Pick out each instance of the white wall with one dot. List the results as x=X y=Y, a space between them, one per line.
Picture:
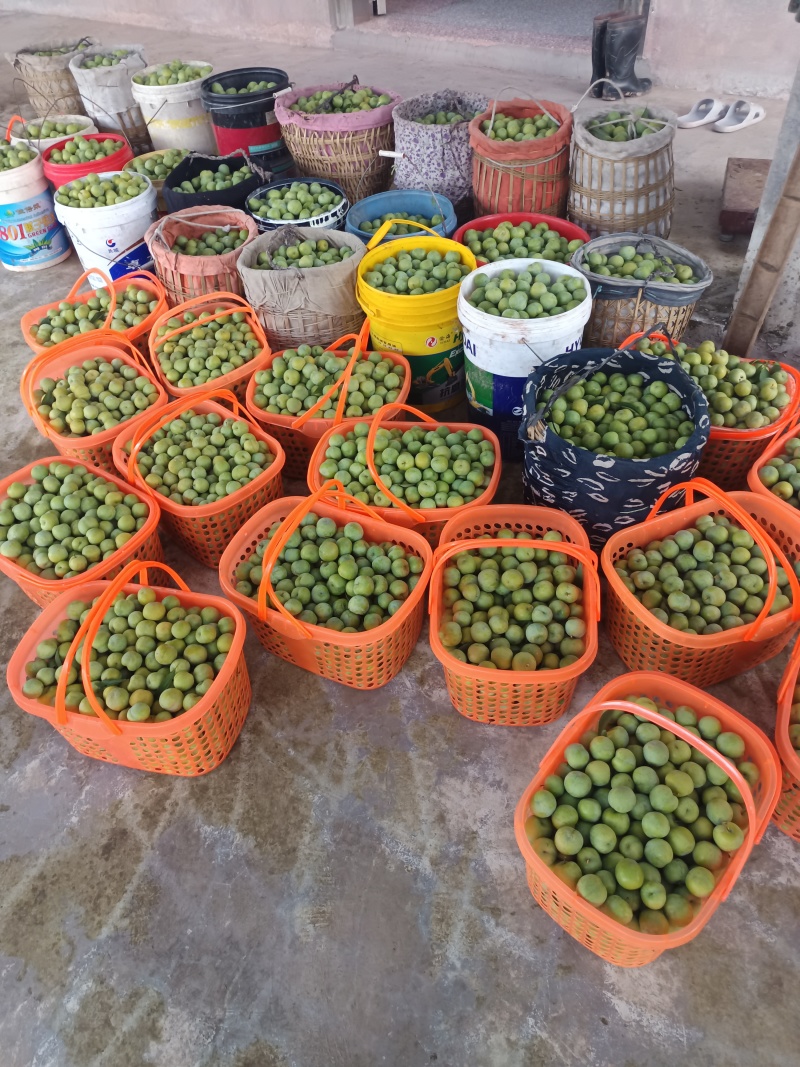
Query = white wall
x=744 y=47
x=308 y=22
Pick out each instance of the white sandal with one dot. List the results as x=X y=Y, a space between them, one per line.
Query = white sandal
x=739 y=115
x=703 y=112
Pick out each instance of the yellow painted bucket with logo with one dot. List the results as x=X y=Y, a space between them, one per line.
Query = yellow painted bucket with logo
x=425 y=329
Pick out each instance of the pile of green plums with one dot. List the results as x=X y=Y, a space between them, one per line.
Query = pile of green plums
x=445 y=118
x=426 y=468
x=341 y=101
x=302 y=254
x=213 y=347
x=781 y=475
x=330 y=575
x=707 y=578
x=508 y=128
x=93 y=397
x=524 y=241
x=625 y=125
x=300 y=200
x=529 y=293
x=373 y=225
x=152 y=659
x=213 y=181
x=638 y=821
x=175 y=73
x=198 y=459
x=66 y=519
x=158 y=164
x=83 y=150
x=251 y=87
x=106 y=59
x=619 y=415
x=210 y=242
x=514 y=608
x=627 y=262
x=298 y=378
x=417 y=271
x=742 y=394
x=97 y=190
x=82 y=316
x=17 y=155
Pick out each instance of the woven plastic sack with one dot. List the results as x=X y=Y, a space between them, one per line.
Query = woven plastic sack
x=621 y=186
x=622 y=306
x=185 y=277
x=604 y=493
x=343 y=148
x=314 y=305
x=48 y=80
x=521 y=175
x=106 y=91
x=435 y=157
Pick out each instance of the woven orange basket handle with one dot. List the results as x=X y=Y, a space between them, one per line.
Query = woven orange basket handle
x=455 y=548
x=146 y=427
x=88 y=631
x=764 y=542
x=379 y=235
x=198 y=301
x=331 y=489
x=109 y=285
x=416 y=515
x=34 y=369
x=341 y=383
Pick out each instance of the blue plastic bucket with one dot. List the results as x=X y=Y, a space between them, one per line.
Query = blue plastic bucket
x=410 y=202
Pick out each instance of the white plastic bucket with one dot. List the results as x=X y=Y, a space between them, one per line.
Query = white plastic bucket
x=174 y=114
x=42 y=143
x=106 y=91
x=111 y=238
x=499 y=353
x=30 y=235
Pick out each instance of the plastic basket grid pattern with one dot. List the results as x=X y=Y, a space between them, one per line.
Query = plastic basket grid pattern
x=641 y=648
x=504 y=699
x=368 y=663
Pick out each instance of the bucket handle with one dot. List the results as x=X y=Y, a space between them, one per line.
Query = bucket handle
x=585 y=555
x=87 y=632
x=341 y=383
x=532 y=99
x=762 y=539
x=381 y=233
x=288 y=525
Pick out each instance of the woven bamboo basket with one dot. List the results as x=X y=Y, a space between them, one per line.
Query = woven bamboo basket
x=626 y=186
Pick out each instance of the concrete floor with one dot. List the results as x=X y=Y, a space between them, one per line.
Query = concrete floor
x=346 y=891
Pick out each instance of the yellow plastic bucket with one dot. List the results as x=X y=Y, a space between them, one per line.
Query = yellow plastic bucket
x=425 y=329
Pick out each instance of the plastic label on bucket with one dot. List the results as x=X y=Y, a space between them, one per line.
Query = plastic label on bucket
x=30 y=233
x=437 y=380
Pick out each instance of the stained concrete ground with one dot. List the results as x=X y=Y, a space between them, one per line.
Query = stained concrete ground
x=345 y=890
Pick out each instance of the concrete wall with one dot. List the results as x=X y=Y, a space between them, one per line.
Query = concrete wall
x=310 y=22
x=744 y=47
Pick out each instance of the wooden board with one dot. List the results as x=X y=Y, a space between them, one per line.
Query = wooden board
x=741 y=194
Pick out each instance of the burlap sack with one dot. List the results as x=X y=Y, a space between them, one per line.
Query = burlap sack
x=297 y=306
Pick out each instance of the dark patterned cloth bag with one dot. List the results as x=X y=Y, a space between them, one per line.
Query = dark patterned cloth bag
x=604 y=493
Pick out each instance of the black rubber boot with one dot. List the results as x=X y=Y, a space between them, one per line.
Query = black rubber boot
x=599 y=28
x=623 y=39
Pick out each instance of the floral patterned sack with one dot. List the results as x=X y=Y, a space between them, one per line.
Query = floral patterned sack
x=438 y=158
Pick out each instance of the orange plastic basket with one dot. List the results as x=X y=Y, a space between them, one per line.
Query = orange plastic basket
x=643 y=642
x=144 y=544
x=95 y=448
x=143 y=279
x=729 y=454
x=299 y=433
x=205 y=530
x=773 y=449
x=362 y=660
x=235 y=380
x=513 y=698
x=428 y=521
x=194 y=742
x=787 y=811
x=596 y=931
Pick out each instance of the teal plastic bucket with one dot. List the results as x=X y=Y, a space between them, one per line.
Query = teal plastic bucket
x=407 y=201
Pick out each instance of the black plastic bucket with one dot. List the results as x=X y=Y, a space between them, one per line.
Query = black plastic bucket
x=247 y=121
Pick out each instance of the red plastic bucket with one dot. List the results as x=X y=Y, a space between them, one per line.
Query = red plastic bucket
x=489 y=222
x=62 y=173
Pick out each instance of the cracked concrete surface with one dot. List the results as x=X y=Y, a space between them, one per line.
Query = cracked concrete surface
x=345 y=890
